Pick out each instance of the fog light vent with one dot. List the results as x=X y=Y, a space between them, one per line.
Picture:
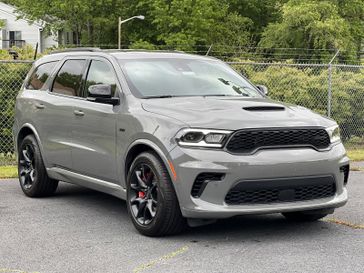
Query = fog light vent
x=201 y=181
x=345 y=169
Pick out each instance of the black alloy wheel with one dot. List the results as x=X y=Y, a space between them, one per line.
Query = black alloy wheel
x=151 y=199
x=27 y=172
x=143 y=194
x=33 y=177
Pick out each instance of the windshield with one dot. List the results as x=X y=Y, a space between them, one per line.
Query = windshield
x=167 y=77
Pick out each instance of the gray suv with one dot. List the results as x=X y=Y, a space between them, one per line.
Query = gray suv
x=184 y=139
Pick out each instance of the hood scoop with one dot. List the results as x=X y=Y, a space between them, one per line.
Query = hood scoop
x=264 y=108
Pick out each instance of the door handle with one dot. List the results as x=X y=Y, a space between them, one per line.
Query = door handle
x=79 y=113
x=39 y=106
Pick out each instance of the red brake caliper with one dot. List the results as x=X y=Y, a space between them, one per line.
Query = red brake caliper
x=141 y=194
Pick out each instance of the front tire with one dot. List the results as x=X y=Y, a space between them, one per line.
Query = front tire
x=151 y=200
x=307 y=216
x=33 y=177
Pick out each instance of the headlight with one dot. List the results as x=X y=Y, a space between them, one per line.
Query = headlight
x=202 y=138
x=334 y=133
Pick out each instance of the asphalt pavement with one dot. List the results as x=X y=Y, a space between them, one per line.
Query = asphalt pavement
x=80 y=230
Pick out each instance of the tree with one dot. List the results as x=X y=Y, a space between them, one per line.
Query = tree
x=90 y=20
x=188 y=24
x=353 y=12
x=261 y=13
x=309 y=24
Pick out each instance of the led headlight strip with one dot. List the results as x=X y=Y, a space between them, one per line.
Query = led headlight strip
x=334 y=133
x=207 y=138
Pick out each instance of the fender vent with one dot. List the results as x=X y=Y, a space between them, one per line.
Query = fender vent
x=264 y=108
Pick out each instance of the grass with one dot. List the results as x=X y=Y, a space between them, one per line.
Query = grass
x=354 y=155
x=8 y=172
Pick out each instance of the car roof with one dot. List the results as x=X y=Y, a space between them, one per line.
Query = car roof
x=122 y=54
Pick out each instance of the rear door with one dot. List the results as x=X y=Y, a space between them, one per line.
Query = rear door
x=57 y=122
x=94 y=130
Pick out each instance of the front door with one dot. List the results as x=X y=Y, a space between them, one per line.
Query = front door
x=94 y=133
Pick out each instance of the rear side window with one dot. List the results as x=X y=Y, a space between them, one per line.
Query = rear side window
x=69 y=78
x=101 y=73
x=40 y=76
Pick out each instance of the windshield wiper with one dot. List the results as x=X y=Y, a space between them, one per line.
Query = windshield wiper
x=237 y=88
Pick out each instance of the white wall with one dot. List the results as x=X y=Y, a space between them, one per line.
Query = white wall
x=29 y=33
x=32 y=34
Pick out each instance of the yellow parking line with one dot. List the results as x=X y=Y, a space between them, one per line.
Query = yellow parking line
x=344 y=223
x=161 y=259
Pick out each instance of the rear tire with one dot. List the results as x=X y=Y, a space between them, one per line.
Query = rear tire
x=33 y=177
x=151 y=200
x=307 y=216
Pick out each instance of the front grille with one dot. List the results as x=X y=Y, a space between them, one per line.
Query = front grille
x=201 y=181
x=281 y=190
x=248 y=141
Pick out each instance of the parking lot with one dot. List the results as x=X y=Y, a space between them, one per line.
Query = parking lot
x=80 y=230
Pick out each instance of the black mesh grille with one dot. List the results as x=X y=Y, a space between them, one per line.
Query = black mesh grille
x=201 y=182
x=247 y=141
x=244 y=193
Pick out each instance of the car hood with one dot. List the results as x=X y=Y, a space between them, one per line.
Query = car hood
x=234 y=113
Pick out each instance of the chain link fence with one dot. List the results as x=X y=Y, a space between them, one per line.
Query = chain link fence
x=330 y=89
x=12 y=74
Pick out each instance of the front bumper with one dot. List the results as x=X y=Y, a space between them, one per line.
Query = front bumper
x=264 y=164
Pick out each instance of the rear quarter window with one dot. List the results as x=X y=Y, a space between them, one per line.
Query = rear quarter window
x=40 y=75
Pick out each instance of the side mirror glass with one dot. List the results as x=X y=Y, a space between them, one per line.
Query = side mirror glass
x=263 y=89
x=102 y=93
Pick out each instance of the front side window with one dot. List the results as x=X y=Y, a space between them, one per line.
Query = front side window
x=40 y=75
x=69 y=78
x=185 y=77
x=101 y=73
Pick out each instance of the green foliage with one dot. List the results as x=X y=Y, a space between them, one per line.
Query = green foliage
x=196 y=24
x=140 y=44
x=24 y=53
x=310 y=24
x=353 y=12
x=91 y=21
x=186 y=24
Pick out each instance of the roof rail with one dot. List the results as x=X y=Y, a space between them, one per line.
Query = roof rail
x=142 y=50
x=77 y=49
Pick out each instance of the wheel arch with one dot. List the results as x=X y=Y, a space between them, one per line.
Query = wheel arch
x=143 y=145
x=28 y=129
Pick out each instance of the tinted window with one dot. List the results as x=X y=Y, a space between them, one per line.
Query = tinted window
x=69 y=77
x=185 y=77
x=101 y=73
x=40 y=75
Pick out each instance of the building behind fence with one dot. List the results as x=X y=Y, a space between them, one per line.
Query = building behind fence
x=330 y=89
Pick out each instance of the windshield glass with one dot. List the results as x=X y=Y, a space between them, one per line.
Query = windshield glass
x=184 y=77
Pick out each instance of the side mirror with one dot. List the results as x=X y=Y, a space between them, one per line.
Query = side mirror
x=263 y=89
x=100 y=90
x=101 y=93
